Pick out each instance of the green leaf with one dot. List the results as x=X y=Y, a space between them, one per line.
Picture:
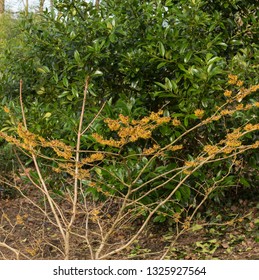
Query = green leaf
x=63 y=94
x=186 y=192
x=161 y=64
x=196 y=227
x=70 y=97
x=215 y=71
x=112 y=38
x=55 y=77
x=186 y=122
x=161 y=85
x=75 y=92
x=109 y=25
x=168 y=84
x=178 y=195
x=161 y=49
x=97 y=73
x=43 y=69
x=65 y=81
x=47 y=115
x=182 y=68
x=41 y=91
x=188 y=57
x=244 y=182
x=229 y=180
x=77 y=57
x=159 y=219
x=213 y=60
x=223 y=45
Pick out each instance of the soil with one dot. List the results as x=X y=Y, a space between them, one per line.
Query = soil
x=26 y=233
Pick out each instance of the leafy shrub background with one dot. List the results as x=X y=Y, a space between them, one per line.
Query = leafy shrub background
x=141 y=57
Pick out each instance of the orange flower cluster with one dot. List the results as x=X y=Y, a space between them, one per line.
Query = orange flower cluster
x=190 y=163
x=175 y=148
x=30 y=141
x=13 y=140
x=29 y=138
x=232 y=141
x=233 y=79
x=92 y=158
x=211 y=150
x=132 y=130
x=151 y=150
x=60 y=148
x=69 y=168
x=228 y=93
x=176 y=122
x=199 y=113
x=251 y=127
x=243 y=92
x=6 y=109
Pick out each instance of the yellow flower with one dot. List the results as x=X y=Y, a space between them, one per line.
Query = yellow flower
x=163 y=120
x=140 y=132
x=228 y=150
x=248 y=106
x=19 y=220
x=240 y=83
x=199 y=113
x=176 y=122
x=250 y=127
x=28 y=138
x=126 y=131
x=232 y=79
x=155 y=116
x=215 y=118
x=254 y=88
x=233 y=143
x=189 y=163
x=60 y=149
x=6 y=109
x=112 y=124
x=124 y=120
x=234 y=135
x=201 y=159
x=97 y=137
x=110 y=142
x=187 y=223
x=187 y=172
x=93 y=157
x=210 y=149
x=240 y=107
x=144 y=120
x=255 y=145
x=226 y=112
x=176 y=217
x=95 y=215
x=82 y=174
x=31 y=251
x=95 y=212
x=176 y=147
x=56 y=169
x=151 y=150
x=228 y=93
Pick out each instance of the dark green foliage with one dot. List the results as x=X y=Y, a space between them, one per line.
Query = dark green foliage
x=141 y=56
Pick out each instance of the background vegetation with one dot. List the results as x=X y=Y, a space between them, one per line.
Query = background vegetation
x=153 y=104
